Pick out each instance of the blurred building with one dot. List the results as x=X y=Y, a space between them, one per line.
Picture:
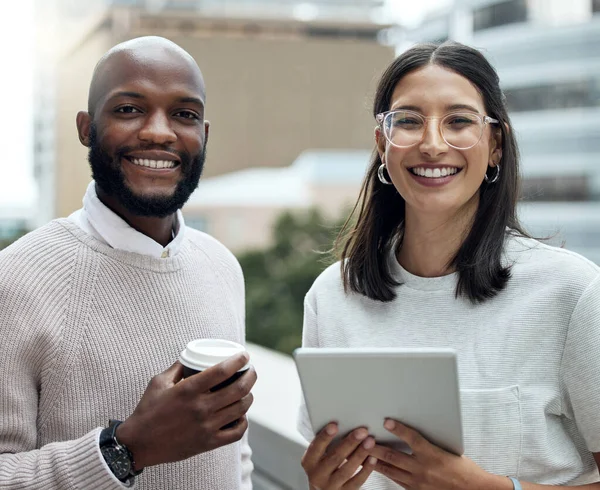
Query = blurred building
x=281 y=77
x=547 y=55
x=240 y=208
x=58 y=25
x=14 y=220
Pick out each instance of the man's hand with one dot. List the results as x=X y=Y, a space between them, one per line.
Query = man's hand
x=333 y=468
x=179 y=418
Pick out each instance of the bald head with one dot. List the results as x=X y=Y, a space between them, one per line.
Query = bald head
x=143 y=54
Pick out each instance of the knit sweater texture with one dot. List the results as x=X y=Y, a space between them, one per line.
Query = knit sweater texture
x=84 y=328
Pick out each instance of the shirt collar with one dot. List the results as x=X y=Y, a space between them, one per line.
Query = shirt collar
x=117 y=233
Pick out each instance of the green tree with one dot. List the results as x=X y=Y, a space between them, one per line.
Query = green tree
x=277 y=278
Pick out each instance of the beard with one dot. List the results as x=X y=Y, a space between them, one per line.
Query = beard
x=107 y=173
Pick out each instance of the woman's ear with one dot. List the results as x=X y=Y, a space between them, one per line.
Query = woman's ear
x=496 y=147
x=380 y=142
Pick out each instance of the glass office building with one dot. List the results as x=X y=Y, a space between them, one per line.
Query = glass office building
x=546 y=53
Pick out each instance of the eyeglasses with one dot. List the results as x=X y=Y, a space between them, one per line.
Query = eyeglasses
x=460 y=130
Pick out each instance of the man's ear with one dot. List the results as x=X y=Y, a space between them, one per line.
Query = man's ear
x=84 y=123
x=206 y=130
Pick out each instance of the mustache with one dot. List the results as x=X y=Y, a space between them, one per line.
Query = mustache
x=124 y=150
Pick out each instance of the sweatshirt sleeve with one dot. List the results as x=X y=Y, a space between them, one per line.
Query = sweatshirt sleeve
x=309 y=339
x=580 y=367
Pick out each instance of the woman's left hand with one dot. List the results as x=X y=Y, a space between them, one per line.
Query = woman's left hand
x=428 y=467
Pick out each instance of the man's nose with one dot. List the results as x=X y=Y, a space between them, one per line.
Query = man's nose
x=157 y=129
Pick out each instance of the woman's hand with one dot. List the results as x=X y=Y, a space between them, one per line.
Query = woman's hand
x=430 y=467
x=335 y=467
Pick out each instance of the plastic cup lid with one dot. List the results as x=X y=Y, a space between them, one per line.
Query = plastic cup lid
x=201 y=354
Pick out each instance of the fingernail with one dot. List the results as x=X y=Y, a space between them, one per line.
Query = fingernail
x=331 y=429
x=372 y=460
x=245 y=356
x=369 y=443
x=389 y=424
x=360 y=434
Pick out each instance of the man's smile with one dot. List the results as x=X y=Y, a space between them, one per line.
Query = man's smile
x=154 y=159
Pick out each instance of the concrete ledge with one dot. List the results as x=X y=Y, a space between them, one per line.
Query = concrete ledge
x=277 y=446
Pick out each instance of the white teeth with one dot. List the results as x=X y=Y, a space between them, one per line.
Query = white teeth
x=144 y=162
x=434 y=173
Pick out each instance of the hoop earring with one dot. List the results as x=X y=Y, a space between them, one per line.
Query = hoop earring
x=381 y=175
x=491 y=181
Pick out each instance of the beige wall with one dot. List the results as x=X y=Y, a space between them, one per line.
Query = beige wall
x=238 y=228
x=242 y=228
x=334 y=200
x=267 y=100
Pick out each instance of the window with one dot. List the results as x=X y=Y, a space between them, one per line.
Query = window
x=342 y=33
x=579 y=93
x=500 y=14
x=566 y=188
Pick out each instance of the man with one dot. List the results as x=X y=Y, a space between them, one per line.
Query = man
x=94 y=306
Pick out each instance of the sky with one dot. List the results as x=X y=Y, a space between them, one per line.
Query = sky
x=17 y=188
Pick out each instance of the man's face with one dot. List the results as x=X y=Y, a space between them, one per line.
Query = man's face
x=109 y=175
x=147 y=139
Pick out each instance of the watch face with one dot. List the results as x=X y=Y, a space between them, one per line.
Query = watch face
x=117 y=460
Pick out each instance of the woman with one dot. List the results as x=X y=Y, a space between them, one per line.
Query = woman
x=437 y=258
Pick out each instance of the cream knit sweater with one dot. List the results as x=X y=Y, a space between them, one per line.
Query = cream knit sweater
x=83 y=328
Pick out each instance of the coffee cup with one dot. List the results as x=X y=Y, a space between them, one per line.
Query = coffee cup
x=202 y=354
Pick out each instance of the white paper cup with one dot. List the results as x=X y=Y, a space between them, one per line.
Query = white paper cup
x=202 y=354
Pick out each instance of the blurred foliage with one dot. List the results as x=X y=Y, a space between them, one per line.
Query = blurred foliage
x=5 y=242
x=278 y=277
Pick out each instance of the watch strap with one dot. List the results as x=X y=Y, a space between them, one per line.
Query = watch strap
x=108 y=437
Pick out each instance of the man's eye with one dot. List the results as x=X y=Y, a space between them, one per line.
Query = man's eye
x=127 y=109
x=187 y=115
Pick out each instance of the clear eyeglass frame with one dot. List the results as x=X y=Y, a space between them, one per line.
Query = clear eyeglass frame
x=380 y=118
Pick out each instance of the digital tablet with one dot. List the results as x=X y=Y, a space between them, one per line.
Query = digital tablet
x=361 y=387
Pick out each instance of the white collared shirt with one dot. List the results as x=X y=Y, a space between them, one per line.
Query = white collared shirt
x=102 y=223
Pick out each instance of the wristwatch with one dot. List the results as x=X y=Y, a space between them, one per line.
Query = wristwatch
x=117 y=456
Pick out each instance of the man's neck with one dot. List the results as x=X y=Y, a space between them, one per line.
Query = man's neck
x=159 y=229
x=431 y=241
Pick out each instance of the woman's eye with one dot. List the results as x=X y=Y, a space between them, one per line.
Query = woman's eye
x=461 y=120
x=407 y=122
x=127 y=109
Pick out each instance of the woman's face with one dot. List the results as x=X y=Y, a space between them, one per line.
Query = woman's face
x=433 y=91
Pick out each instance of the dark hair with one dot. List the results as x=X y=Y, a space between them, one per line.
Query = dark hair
x=380 y=221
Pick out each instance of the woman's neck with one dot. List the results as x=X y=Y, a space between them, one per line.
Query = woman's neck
x=431 y=241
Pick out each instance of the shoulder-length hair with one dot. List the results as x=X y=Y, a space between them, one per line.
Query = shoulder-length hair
x=364 y=247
